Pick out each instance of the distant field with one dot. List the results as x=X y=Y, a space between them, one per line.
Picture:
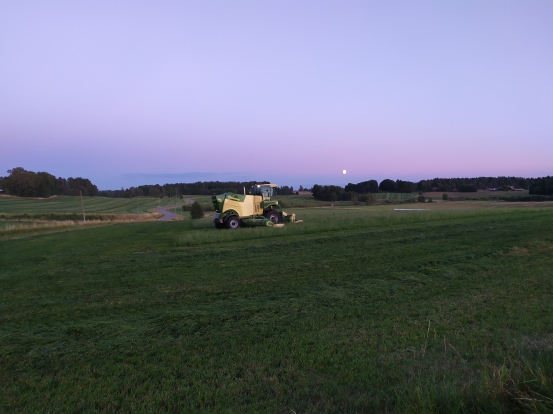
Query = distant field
x=358 y=309
x=396 y=196
x=104 y=205
x=466 y=205
x=437 y=195
x=301 y=201
x=70 y=204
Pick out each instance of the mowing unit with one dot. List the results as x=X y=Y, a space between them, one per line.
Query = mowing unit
x=256 y=209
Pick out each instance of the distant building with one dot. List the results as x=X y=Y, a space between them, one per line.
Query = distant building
x=2 y=191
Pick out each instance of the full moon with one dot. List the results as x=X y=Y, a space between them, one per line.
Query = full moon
x=344 y=171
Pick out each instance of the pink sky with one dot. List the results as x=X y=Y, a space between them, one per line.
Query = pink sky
x=128 y=93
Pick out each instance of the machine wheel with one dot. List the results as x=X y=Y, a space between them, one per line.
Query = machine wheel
x=274 y=216
x=233 y=223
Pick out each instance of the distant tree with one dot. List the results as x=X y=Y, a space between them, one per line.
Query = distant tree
x=330 y=193
x=25 y=183
x=196 y=210
x=424 y=185
x=47 y=184
x=285 y=190
x=387 y=186
x=348 y=196
x=372 y=186
x=542 y=186
x=78 y=185
x=315 y=190
x=404 y=186
x=20 y=182
x=363 y=187
x=445 y=196
x=467 y=189
x=421 y=199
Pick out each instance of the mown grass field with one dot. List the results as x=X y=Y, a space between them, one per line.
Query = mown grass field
x=362 y=309
x=396 y=196
x=437 y=195
x=301 y=201
x=70 y=204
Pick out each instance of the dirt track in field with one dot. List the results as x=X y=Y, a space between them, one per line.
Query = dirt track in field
x=167 y=215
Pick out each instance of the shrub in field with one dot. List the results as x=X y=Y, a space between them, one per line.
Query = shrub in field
x=421 y=199
x=444 y=196
x=370 y=200
x=196 y=211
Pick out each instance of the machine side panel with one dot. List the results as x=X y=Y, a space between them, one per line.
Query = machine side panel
x=249 y=207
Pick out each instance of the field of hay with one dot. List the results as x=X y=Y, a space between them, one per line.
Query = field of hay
x=357 y=309
x=71 y=204
x=437 y=195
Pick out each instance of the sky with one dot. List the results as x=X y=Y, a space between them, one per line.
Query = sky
x=128 y=93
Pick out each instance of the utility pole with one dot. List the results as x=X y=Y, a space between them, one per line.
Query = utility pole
x=176 y=200
x=82 y=206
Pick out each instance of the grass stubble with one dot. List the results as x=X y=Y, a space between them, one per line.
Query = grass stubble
x=350 y=311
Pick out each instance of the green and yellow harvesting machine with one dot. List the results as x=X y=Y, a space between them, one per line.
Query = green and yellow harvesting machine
x=256 y=209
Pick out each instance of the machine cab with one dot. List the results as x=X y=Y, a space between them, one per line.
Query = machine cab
x=264 y=190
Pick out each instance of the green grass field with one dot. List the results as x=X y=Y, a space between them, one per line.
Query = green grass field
x=301 y=201
x=361 y=309
x=396 y=196
x=70 y=204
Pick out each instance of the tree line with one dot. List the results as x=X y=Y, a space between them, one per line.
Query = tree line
x=536 y=186
x=542 y=186
x=23 y=183
x=197 y=188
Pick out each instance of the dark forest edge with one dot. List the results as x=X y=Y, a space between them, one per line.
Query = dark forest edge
x=535 y=186
x=23 y=183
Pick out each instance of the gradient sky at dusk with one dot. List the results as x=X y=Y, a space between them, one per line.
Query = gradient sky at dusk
x=142 y=92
